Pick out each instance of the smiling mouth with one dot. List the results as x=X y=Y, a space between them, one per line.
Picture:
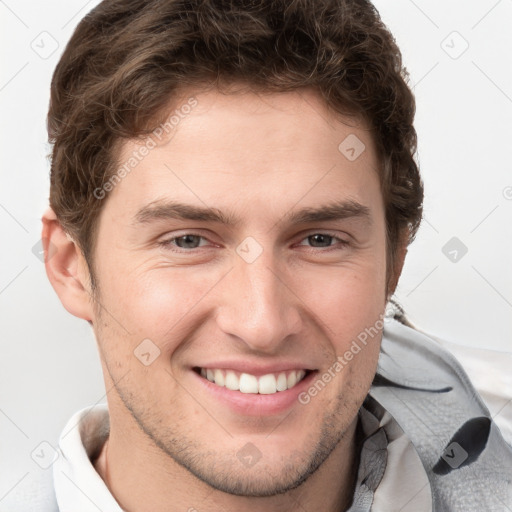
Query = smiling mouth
x=268 y=384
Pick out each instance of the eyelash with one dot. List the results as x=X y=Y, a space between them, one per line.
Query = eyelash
x=341 y=243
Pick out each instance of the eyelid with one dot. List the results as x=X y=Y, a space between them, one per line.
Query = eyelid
x=328 y=232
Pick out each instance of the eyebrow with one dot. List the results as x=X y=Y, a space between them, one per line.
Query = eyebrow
x=167 y=210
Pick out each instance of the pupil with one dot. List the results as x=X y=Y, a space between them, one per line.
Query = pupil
x=321 y=239
x=187 y=241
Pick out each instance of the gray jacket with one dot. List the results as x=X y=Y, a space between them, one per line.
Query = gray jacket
x=425 y=389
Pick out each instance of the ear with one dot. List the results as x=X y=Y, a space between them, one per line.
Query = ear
x=398 y=265
x=66 y=268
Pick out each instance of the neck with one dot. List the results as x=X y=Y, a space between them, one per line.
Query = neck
x=143 y=478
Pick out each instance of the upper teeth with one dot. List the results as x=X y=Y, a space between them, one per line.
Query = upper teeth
x=247 y=383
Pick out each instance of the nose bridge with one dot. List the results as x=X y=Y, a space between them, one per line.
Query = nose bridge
x=257 y=305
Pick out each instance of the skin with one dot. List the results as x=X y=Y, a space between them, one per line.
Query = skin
x=258 y=157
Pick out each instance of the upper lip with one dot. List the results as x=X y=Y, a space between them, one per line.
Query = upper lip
x=254 y=368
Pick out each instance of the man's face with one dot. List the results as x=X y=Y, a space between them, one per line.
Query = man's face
x=277 y=291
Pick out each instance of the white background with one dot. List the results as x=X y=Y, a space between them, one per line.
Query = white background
x=49 y=367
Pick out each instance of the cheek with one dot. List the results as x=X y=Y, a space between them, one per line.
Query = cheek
x=346 y=299
x=349 y=305
x=154 y=304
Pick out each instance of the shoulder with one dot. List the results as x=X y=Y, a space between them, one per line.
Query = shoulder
x=415 y=372
x=418 y=360
x=429 y=394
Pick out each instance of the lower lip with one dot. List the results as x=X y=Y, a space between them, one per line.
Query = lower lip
x=254 y=404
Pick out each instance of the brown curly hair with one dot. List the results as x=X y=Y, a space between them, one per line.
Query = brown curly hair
x=128 y=58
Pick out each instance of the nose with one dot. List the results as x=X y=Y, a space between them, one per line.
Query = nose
x=258 y=305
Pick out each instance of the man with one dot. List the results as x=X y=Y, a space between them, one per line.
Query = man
x=233 y=191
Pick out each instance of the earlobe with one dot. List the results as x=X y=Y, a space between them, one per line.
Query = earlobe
x=66 y=268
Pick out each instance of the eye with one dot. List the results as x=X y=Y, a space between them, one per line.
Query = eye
x=324 y=240
x=186 y=241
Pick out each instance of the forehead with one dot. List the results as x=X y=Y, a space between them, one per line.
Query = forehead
x=248 y=149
